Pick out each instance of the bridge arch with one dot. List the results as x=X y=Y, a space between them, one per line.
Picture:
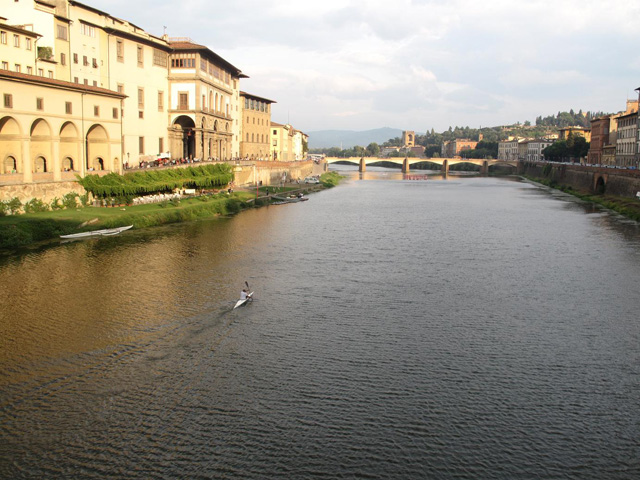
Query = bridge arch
x=600 y=184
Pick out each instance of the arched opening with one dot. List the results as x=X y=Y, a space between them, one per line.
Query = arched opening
x=10 y=165
x=40 y=145
x=40 y=165
x=70 y=146
x=97 y=148
x=600 y=186
x=188 y=138
x=67 y=164
x=10 y=147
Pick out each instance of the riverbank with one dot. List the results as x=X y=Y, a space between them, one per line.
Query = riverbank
x=18 y=231
x=629 y=207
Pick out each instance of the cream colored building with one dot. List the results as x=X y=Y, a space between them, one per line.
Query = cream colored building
x=51 y=130
x=86 y=46
x=300 y=142
x=255 y=137
x=204 y=103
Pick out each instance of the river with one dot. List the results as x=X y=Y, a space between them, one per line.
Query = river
x=465 y=327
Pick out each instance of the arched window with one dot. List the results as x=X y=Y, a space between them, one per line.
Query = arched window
x=10 y=165
x=40 y=165
x=67 y=165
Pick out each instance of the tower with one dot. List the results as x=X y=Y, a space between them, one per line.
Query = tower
x=408 y=139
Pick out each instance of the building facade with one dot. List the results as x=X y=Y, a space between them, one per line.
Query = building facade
x=255 y=130
x=204 y=103
x=51 y=130
x=626 y=142
x=599 y=138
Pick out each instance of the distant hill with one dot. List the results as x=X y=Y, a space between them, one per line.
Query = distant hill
x=351 y=138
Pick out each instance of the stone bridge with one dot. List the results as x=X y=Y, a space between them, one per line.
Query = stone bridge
x=406 y=162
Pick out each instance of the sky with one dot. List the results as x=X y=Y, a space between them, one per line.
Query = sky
x=413 y=64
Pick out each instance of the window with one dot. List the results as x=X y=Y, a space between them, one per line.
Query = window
x=16 y=41
x=86 y=82
x=39 y=104
x=140 y=56
x=67 y=108
x=141 y=114
x=115 y=112
x=5 y=65
x=160 y=102
x=161 y=145
x=141 y=98
x=50 y=73
x=40 y=72
x=95 y=83
x=75 y=58
x=85 y=60
x=183 y=62
x=63 y=59
x=30 y=70
x=159 y=58
x=95 y=63
x=183 y=101
x=3 y=38
x=120 y=50
x=88 y=30
x=141 y=145
x=18 y=67
x=8 y=100
x=75 y=80
x=27 y=43
x=96 y=111
x=120 y=88
x=61 y=32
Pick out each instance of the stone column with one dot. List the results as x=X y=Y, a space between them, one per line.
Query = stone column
x=57 y=167
x=363 y=165
x=27 y=163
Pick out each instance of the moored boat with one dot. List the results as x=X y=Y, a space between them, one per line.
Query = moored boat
x=97 y=233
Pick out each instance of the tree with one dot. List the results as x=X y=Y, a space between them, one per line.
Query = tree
x=373 y=149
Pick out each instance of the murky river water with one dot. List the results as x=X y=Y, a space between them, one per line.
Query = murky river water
x=461 y=328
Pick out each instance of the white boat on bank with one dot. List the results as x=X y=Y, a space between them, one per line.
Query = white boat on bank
x=97 y=233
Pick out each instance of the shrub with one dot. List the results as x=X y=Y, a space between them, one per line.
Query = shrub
x=84 y=200
x=14 y=205
x=55 y=204
x=35 y=205
x=70 y=200
x=3 y=208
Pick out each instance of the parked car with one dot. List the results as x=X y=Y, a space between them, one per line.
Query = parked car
x=311 y=180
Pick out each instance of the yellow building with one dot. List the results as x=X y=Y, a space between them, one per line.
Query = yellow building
x=255 y=136
x=51 y=130
x=204 y=103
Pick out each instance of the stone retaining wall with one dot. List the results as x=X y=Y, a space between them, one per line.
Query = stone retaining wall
x=621 y=182
x=270 y=173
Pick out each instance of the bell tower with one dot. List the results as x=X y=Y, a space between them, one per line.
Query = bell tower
x=408 y=139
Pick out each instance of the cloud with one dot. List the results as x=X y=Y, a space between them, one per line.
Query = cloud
x=361 y=64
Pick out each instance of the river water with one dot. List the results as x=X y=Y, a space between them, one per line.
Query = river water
x=451 y=328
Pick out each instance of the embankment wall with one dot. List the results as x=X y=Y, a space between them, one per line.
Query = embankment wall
x=621 y=182
x=270 y=173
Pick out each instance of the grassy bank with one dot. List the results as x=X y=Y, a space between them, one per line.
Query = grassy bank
x=21 y=230
x=629 y=207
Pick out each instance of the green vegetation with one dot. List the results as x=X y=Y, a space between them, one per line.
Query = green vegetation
x=124 y=187
x=330 y=179
x=574 y=147
x=20 y=230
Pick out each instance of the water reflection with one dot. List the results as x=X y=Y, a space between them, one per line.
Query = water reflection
x=468 y=328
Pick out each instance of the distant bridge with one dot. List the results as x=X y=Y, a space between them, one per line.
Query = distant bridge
x=406 y=163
